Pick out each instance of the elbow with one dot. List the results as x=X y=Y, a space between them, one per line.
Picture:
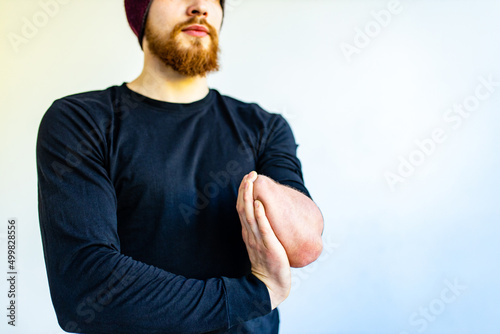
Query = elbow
x=70 y=326
x=81 y=315
x=87 y=316
x=77 y=319
x=312 y=248
x=64 y=303
x=68 y=321
x=309 y=253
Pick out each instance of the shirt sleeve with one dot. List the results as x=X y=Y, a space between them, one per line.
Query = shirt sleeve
x=94 y=288
x=278 y=158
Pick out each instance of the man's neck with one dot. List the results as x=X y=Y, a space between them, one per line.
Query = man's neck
x=164 y=84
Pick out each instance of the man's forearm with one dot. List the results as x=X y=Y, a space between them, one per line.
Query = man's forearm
x=295 y=218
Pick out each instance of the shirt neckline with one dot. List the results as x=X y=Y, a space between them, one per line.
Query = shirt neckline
x=170 y=106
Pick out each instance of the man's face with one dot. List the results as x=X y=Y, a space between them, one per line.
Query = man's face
x=171 y=34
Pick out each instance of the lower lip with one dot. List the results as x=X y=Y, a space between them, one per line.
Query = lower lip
x=196 y=33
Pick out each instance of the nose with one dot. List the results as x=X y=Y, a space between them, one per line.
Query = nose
x=198 y=8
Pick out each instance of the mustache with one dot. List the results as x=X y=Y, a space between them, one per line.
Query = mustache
x=194 y=20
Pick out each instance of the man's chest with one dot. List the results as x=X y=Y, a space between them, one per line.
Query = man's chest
x=188 y=167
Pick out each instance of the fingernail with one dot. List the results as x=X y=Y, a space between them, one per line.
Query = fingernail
x=257 y=204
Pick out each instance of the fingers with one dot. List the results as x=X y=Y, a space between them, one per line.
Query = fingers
x=252 y=176
x=241 y=189
x=250 y=209
x=260 y=216
x=264 y=228
x=244 y=206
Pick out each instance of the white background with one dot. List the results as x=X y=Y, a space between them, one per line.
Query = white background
x=390 y=252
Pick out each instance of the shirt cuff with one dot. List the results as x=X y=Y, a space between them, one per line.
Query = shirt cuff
x=246 y=298
x=297 y=186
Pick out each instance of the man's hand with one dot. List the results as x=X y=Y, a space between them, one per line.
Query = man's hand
x=267 y=255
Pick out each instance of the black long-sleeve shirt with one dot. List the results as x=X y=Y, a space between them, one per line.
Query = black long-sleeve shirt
x=137 y=209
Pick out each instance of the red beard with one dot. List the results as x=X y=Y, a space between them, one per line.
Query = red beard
x=190 y=61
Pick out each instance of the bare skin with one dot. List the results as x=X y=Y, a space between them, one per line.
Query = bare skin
x=288 y=223
x=160 y=82
x=294 y=217
x=267 y=255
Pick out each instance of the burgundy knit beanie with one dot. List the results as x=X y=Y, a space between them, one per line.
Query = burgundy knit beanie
x=137 y=12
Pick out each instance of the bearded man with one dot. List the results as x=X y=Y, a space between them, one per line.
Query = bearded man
x=164 y=206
